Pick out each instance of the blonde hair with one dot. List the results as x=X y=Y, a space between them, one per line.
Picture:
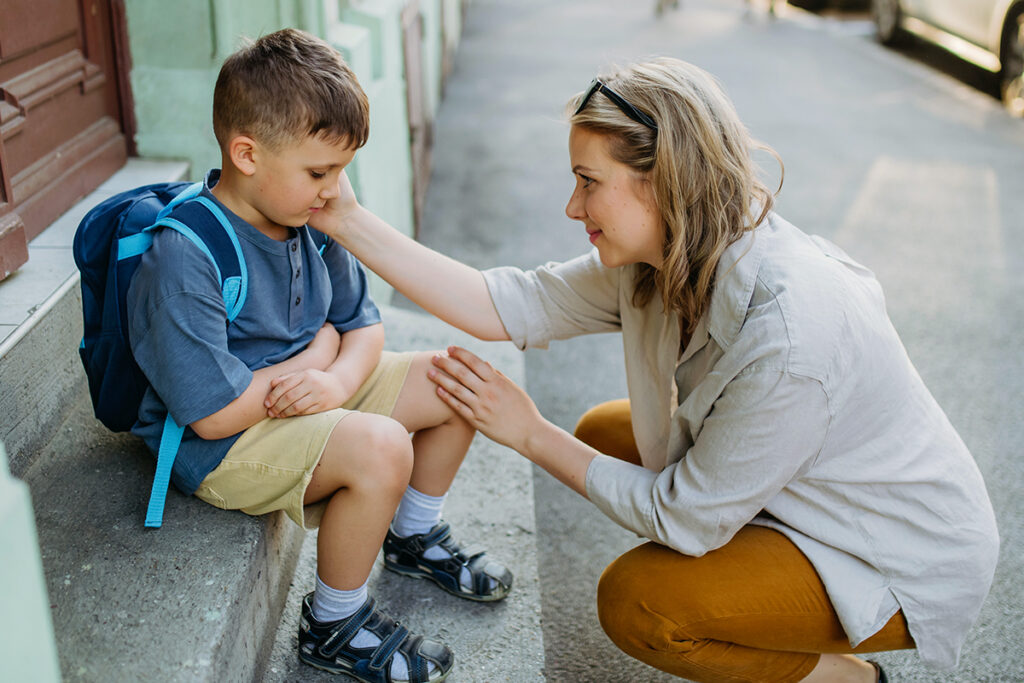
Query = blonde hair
x=700 y=170
x=287 y=85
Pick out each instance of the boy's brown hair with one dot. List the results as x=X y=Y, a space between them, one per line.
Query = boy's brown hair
x=285 y=86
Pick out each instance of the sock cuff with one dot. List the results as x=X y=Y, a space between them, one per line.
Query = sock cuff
x=423 y=498
x=331 y=604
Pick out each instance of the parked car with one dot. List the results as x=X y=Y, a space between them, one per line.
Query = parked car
x=989 y=33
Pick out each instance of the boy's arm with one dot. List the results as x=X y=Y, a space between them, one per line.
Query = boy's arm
x=248 y=408
x=314 y=391
x=452 y=291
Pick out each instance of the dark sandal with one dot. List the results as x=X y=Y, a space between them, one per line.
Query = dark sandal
x=405 y=556
x=880 y=676
x=326 y=646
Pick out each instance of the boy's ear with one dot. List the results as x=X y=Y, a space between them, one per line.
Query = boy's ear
x=242 y=153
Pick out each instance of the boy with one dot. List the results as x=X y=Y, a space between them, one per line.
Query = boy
x=294 y=406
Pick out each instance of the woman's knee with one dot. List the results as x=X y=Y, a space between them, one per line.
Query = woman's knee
x=621 y=600
x=608 y=427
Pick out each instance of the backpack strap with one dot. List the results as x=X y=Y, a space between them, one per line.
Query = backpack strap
x=205 y=225
x=319 y=239
x=217 y=239
x=170 y=441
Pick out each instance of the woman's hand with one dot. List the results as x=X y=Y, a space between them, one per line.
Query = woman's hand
x=332 y=218
x=485 y=398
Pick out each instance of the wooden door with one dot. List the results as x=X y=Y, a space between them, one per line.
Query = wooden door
x=61 y=115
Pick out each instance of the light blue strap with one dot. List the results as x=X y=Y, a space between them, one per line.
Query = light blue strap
x=134 y=245
x=188 y=193
x=169 y=442
x=175 y=224
x=230 y=292
x=237 y=291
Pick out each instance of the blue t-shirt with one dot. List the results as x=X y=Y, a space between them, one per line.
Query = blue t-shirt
x=195 y=362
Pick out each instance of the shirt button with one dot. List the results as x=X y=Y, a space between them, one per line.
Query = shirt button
x=298 y=272
x=295 y=246
x=298 y=300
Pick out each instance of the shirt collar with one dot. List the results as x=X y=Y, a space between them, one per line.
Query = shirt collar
x=734 y=285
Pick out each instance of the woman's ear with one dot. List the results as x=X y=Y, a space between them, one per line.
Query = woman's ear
x=242 y=152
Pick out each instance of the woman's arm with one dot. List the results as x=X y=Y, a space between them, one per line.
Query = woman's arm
x=743 y=457
x=503 y=412
x=248 y=408
x=452 y=291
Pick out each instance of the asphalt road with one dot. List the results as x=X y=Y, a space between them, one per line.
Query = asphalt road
x=903 y=158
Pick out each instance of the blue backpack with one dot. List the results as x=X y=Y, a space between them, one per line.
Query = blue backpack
x=108 y=247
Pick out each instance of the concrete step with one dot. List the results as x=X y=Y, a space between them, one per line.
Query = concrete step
x=490 y=505
x=196 y=600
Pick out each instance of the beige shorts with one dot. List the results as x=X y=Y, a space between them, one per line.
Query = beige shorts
x=271 y=464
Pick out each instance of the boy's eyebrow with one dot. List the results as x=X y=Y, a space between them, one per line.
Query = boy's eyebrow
x=580 y=167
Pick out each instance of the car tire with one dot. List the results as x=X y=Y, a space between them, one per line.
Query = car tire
x=887 y=15
x=1011 y=77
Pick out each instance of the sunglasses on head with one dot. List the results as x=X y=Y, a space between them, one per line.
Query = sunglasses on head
x=619 y=101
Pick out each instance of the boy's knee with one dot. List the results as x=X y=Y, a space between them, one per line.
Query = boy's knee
x=368 y=450
x=388 y=452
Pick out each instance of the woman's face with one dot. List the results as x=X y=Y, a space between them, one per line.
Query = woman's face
x=614 y=203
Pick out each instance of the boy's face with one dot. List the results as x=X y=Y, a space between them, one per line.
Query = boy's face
x=294 y=182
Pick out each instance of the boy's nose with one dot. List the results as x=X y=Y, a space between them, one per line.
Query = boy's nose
x=329 y=190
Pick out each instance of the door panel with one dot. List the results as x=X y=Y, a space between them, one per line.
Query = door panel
x=968 y=19
x=60 y=112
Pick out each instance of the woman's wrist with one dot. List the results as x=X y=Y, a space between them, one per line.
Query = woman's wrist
x=349 y=224
x=534 y=440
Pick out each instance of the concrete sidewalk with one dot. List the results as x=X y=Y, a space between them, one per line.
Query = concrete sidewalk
x=916 y=174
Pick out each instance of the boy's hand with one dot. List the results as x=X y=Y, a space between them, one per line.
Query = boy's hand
x=304 y=393
x=337 y=208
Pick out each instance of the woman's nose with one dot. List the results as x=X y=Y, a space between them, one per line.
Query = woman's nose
x=574 y=209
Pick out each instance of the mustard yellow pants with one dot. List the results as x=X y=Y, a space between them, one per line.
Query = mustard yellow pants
x=752 y=610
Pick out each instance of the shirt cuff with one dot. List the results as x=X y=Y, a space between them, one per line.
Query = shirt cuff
x=622 y=491
x=515 y=302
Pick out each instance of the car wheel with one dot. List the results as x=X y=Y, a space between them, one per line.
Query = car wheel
x=1012 y=74
x=886 y=15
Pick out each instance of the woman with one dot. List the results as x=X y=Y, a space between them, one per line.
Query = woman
x=805 y=497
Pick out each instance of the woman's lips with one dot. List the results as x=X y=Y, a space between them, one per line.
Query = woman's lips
x=593 y=235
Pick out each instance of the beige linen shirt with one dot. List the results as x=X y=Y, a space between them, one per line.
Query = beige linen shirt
x=794 y=406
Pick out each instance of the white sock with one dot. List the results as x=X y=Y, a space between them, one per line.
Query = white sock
x=418 y=513
x=331 y=604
